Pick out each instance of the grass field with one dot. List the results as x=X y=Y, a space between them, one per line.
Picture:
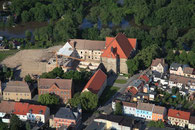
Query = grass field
x=121 y=81
x=109 y=91
x=4 y=54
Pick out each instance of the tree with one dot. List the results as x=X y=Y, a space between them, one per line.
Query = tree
x=133 y=65
x=48 y=99
x=156 y=124
x=75 y=101
x=175 y=90
x=15 y=123
x=172 y=33
x=28 y=127
x=3 y=126
x=118 y=108
x=25 y=16
x=28 y=35
x=89 y=101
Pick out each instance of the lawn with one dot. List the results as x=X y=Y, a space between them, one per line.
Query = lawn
x=4 y=54
x=109 y=91
x=121 y=81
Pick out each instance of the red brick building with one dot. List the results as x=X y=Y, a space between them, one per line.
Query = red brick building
x=61 y=87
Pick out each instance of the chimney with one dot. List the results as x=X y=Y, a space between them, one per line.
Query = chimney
x=74 y=44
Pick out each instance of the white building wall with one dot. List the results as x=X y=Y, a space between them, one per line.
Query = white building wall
x=2 y=114
x=191 y=126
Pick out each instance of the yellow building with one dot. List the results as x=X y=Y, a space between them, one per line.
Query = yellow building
x=17 y=90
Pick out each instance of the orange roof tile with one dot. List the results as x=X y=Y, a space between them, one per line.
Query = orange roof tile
x=132 y=90
x=96 y=81
x=20 y=108
x=36 y=109
x=121 y=46
x=145 y=78
x=179 y=114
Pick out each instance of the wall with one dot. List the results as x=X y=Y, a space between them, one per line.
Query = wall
x=90 y=54
x=180 y=122
x=16 y=96
x=102 y=88
x=191 y=126
x=144 y=114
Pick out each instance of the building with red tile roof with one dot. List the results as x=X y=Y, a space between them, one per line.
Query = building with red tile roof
x=21 y=109
x=179 y=118
x=97 y=83
x=117 y=51
x=38 y=113
x=145 y=78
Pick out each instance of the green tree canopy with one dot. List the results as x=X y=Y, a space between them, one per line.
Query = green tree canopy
x=118 y=108
x=48 y=99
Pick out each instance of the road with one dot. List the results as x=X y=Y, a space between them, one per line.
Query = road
x=107 y=108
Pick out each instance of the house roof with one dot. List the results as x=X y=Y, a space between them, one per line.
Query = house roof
x=17 y=86
x=179 y=114
x=66 y=50
x=189 y=70
x=96 y=82
x=7 y=106
x=132 y=90
x=145 y=78
x=158 y=61
x=60 y=83
x=119 y=46
x=96 y=126
x=130 y=104
x=21 y=108
x=37 y=109
x=83 y=44
x=159 y=109
x=65 y=113
x=175 y=66
x=181 y=79
x=136 y=83
x=145 y=106
x=192 y=120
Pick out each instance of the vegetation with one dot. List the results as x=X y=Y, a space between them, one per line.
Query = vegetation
x=15 y=123
x=108 y=92
x=5 y=54
x=88 y=101
x=6 y=73
x=48 y=99
x=121 y=81
x=28 y=127
x=28 y=79
x=3 y=126
x=118 y=108
x=156 y=124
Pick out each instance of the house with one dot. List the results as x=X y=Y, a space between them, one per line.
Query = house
x=21 y=109
x=96 y=126
x=66 y=117
x=118 y=122
x=136 y=84
x=61 y=87
x=116 y=52
x=158 y=65
x=6 y=107
x=159 y=113
x=38 y=113
x=191 y=124
x=179 y=118
x=17 y=90
x=144 y=110
x=176 y=69
x=145 y=78
x=189 y=72
x=97 y=83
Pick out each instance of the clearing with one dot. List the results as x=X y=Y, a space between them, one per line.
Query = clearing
x=31 y=61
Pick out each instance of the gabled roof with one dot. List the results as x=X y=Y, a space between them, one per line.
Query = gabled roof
x=159 y=109
x=120 y=45
x=145 y=78
x=179 y=114
x=83 y=44
x=181 y=79
x=132 y=90
x=96 y=82
x=130 y=104
x=145 y=106
x=17 y=86
x=65 y=113
x=21 y=108
x=158 y=61
x=175 y=66
x=37 y=109
x=189 y=70
x=60 y=83
x=7 y=106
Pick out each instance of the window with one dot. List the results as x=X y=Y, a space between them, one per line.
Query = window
x=61 y=92
x=81 y=52
x=88 y=56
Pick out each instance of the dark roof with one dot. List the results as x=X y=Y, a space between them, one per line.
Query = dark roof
x=96 y=126
x=113 y=118
x=127 y=121
x=175 y=66
x=155 y=128
x=65 y=113
x=157 y=74
x=192 y=119
x=60 y=83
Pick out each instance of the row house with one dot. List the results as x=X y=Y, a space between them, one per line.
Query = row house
x=158 y=65
x=66 y=117
x=144 y=110
x=17 y=90
x=159 y=113
x=97 y=83
x=25 y=111
x=191 y=124
x=161 y=78
x=182 y=70
x=61 y=87
x=178 y=118
x=180 y=81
